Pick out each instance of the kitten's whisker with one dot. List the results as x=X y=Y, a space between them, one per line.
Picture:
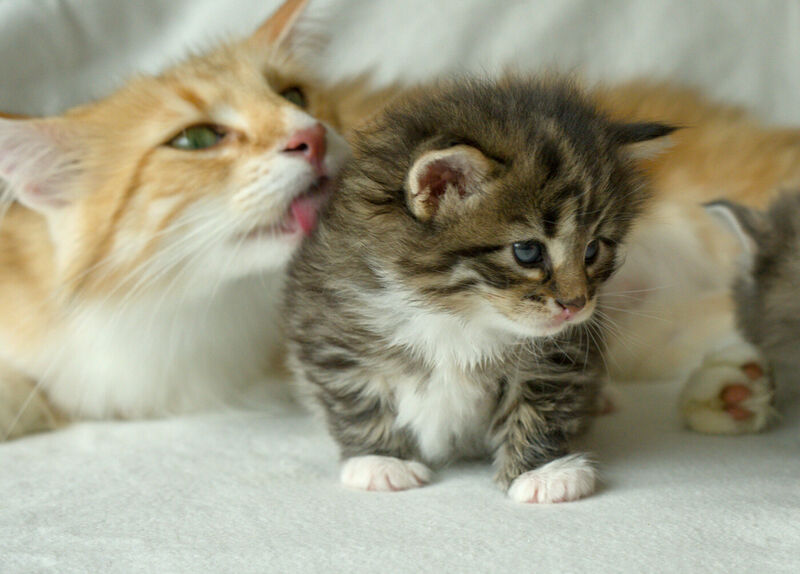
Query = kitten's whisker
x=637 y=313
x=630 y=343
x=648 y=290
x=598 y=344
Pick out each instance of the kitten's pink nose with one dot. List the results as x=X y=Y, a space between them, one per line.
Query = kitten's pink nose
x=310 y=143
x=571 y=307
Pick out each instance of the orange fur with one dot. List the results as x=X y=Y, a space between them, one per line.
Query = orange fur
x=110 y=221
x=720 y=152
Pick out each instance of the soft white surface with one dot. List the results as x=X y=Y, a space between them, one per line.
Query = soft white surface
x=258 y=492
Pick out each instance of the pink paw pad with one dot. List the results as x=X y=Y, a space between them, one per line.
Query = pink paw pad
x=733 y=395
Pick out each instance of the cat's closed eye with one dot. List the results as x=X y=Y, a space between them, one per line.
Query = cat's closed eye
x=198 y=137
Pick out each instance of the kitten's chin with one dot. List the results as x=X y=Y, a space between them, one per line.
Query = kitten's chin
x=547 y=327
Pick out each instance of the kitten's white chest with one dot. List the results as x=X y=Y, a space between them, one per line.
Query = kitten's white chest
x=450 y=412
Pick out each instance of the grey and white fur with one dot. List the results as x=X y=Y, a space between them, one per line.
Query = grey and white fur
x=445 y=306
x=766 y=300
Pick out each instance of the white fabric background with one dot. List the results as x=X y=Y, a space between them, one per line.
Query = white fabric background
x=254 y=492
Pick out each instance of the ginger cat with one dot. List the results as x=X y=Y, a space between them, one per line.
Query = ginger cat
x=148 y=229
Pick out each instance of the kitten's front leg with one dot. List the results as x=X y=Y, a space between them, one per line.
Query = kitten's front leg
x=376 y=454
x=23 y=408
x=533 y=457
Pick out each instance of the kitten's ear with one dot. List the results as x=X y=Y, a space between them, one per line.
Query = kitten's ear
x=642 y=139
x=441 y=181
x=37 y=162
x=277 y=28
x=748 y=225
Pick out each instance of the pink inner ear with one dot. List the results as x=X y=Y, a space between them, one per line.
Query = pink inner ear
x=438 y=175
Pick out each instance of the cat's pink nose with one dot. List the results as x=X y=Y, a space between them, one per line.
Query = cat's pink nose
x=310 y=143
x=571 y=307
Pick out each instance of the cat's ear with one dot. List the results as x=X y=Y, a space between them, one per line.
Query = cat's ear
x=37 y=162
x=442 y=181
x=747 y=225
x=642 y=139
x=276 y=30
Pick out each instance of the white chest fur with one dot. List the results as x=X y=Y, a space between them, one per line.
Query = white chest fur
x=448 y=412
x=160 y=357
x=450 y=409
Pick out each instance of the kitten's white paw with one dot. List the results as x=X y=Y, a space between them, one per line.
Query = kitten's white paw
x=729 y=393
x=562 y=480
x=384 y=473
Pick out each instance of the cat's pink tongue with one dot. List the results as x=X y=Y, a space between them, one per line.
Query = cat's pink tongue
x=305 y=209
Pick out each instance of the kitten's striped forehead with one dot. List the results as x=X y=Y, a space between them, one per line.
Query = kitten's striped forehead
x=567 y=188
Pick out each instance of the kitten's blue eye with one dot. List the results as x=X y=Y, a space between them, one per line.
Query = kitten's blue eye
x=591 y=251
x=528 y=253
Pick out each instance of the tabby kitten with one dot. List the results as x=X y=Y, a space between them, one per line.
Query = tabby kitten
x=147 y=228
x=767 y=316
x=444 y=306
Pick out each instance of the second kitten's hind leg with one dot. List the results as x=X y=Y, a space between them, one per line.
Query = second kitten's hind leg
x=23 y=409
x=729 y=393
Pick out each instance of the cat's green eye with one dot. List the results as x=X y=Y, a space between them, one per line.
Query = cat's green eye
x=295 y=96
x=591 y=251
x=202 y=136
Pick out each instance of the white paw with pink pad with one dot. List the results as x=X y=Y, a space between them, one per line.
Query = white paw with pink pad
x=562 y=480
x=730 y=393
x=384 y=473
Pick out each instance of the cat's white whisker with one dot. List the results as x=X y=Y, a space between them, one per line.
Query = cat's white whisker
x=638 y=313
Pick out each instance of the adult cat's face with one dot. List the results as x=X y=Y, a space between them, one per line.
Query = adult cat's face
x=515 y=196
x=210 y=171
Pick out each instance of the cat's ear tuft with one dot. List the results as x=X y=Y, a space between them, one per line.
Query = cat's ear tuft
x=36 y=162
x=441 y=181
x=746 y=224
x=278 y=27
x=642 y=139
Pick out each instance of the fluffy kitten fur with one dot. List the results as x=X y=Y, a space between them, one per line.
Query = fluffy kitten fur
x=136 y=278
x=411 y=323
x=766 y=291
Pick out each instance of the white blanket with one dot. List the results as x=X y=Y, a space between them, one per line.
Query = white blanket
x=258 y=492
